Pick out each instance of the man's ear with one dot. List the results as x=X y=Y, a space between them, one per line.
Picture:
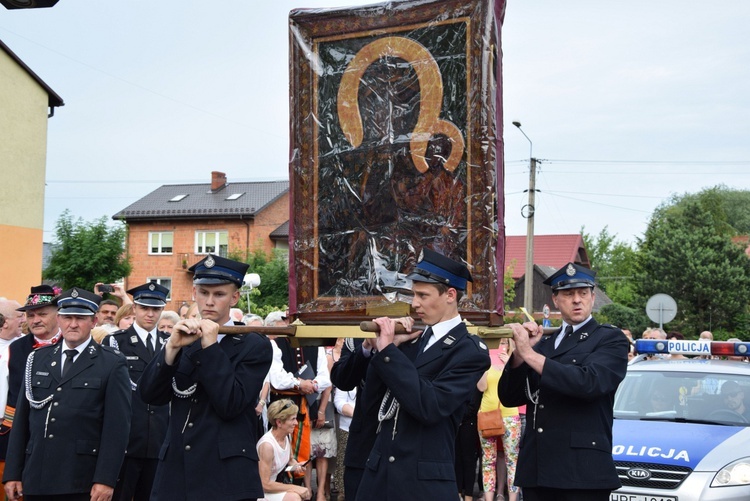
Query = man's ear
x=235 y=297
x=452 y=294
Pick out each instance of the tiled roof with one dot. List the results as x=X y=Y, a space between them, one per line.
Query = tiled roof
x=200 y=202
x=281 y=233
x=549 y=250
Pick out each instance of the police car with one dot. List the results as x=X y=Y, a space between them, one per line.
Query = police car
x=682 y=426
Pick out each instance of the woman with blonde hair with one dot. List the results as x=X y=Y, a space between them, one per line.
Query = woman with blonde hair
x=125 y=316
x=275 y=454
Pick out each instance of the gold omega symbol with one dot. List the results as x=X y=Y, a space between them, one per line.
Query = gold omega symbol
x=431 y=98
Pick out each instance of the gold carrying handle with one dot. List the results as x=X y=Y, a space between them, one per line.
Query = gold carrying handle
x=490 y=332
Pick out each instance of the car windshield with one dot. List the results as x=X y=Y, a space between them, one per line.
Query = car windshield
x=684 y=396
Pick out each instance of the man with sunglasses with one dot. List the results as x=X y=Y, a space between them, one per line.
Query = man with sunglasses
x=733 y=397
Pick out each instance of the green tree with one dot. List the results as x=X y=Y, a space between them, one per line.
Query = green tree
x=85 y=253
x=273 y=291
x=615 y=264
x=687 y=252
x=509 y=291
x=634 y=319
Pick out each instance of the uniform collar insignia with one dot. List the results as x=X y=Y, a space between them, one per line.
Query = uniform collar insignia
x=583 y=336
x=161 y=341
x=449 y=340
x=133 y=339
x=92 y=350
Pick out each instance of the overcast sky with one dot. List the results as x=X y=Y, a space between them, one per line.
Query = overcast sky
x=626 y=103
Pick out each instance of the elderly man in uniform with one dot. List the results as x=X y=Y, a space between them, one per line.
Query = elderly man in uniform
x=41 y=318
x=569 y=381
x=212 y=382
x=422 y=389
x=73 y=417
x=148 y=427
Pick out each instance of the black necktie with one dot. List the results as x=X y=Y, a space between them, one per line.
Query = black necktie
x=70 y=355
x=426 y=335
x=568 y=332
x=149 y=345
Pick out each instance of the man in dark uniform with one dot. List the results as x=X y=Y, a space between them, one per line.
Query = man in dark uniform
x=41 y=317
x=422 y=389
x=569 y=381
x=347 y=374
x=212 y=382
x=73 y=417
x=148 y=426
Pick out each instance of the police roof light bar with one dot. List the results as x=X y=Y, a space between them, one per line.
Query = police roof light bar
x=692 y=347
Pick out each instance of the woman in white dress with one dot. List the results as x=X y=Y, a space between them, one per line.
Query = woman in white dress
x=274 y=453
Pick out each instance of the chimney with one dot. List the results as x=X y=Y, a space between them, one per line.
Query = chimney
x=218 y=180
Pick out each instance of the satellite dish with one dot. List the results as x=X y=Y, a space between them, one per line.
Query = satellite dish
x=661 y=308
x=252 y=280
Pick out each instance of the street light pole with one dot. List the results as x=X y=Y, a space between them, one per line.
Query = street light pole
x=528 y=287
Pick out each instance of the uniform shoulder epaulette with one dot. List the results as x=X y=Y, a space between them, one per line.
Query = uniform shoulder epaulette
x=109 y=349
x=478 y=342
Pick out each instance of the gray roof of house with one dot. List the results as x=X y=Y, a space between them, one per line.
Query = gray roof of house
x=201 y=203
x=282 y=232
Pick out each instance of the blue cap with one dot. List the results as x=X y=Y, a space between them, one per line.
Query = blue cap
x=217 y=270
x=77 y=301
x=571 y=276
x=435 y=268
x=150 y=294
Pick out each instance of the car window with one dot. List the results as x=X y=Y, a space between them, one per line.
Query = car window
x=712 y=397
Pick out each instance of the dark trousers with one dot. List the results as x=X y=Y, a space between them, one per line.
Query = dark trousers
x=136 y=479
x=352 y=479
x=547 y=494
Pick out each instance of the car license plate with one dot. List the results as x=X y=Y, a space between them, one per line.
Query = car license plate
x=624 y=496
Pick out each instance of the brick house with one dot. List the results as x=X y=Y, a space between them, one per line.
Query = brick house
x=176 y=225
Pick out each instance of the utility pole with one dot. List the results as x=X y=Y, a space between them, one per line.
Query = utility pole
x=528 y=287
x=527 y=211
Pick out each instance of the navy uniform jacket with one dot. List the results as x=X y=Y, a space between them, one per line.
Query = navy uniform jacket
x=79 y=437
x=209 y=452
x=416 y=460
x=568 y=438
x=148 y=425
x=346 y=374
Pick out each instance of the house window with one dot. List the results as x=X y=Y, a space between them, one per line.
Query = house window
x=160 y=242
x=213 y=242
x=164 y=281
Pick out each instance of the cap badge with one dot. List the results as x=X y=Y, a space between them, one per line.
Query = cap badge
x=209 y=262
x=74 y=294
x=151 y=286
x=570 y=270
